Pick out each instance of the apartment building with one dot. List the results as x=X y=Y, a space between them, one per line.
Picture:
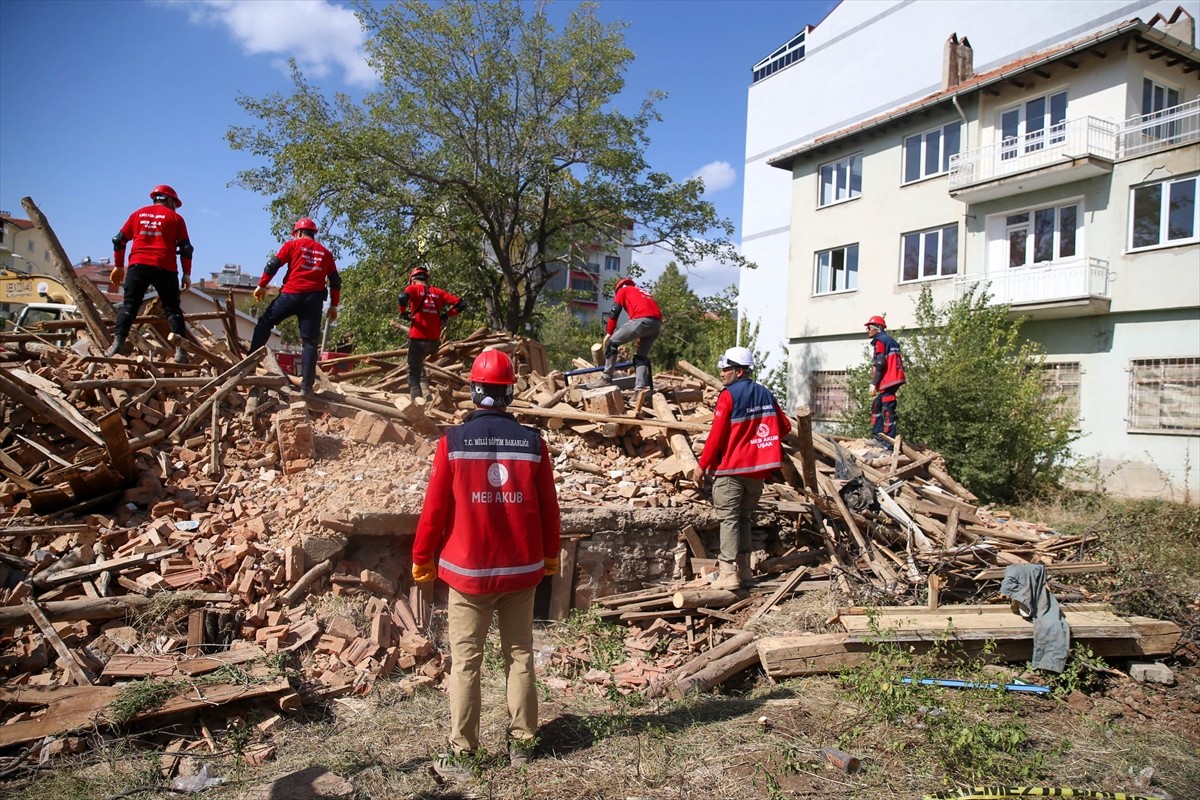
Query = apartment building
x=1064 y=181
x=581 y=276
x=865 y=58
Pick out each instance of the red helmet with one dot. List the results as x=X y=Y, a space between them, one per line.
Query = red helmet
x=493 y=366
x=419 y=272
x=162 y=190
x=877 y=321
x=624 y=282
x=304 y=224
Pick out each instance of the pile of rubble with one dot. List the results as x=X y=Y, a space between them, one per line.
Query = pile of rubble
x=176 y=521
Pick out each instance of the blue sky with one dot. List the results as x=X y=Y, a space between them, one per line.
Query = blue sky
x=101 y=100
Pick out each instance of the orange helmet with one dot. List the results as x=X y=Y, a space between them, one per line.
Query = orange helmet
x=624 y=282
x=162 y=190
x=876 y=321
x=304 y=224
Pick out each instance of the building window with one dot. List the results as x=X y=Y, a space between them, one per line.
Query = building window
x=1043 y=235
x=928 y=153
x=1157 y=99
x=583 y=285
x=930 y=254
x=829 y=394
x=790 y=53
x=612 y=264
x=841 y=180
x=1023 y=129
x=1164 y=213
x=1060 y=381
x=837 y=270
x=1164 y=395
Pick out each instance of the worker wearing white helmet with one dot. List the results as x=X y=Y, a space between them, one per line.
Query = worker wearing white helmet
x=743 y=448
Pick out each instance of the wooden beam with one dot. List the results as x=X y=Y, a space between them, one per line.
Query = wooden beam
x=112 y=428
x=227 y=381
x=79 y=676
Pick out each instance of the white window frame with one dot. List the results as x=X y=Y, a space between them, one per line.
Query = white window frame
x=1164 y=208
x=846 y=251
x=923 y=150
x=1164 y=389
x=829 y=394
x=1023 y=140
x=839 y=169
x=612 y=263
x=922 y=240
x=1030 y=228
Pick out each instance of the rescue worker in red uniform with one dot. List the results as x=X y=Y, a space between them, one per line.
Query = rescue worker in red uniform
x=644 y=325
x=744 y=446
x=490 y=529
x=887 y=376
x=425 y=308
x=309 y=266
x=158 y=234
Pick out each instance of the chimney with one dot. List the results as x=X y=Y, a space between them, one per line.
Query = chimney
x=958 y=62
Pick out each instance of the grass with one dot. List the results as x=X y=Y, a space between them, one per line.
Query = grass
x=756 y=738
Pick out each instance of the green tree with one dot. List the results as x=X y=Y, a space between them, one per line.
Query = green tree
x=974 y=393
x=492 y=145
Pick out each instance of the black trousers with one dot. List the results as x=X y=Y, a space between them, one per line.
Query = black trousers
x=306 y=308
x=418 y=351
x=139 y=278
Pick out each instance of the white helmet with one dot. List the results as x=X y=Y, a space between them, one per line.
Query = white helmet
x=736 y=357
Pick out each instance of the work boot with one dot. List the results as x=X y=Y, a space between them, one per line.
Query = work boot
x=454 y=767
x=728 y=577
x=115 y=348
x=743 y=568
x=599 y=383
x=425 y=391
x=181 y=356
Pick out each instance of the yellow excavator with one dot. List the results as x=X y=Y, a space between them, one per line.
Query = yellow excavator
x=31 y=298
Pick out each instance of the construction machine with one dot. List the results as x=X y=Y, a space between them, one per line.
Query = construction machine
x=18 y=292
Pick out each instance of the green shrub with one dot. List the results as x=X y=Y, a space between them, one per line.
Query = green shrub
x=975 y=394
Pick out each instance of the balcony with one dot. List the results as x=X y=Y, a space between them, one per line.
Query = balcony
x=1161 y=130
x=1067 y=152
x=1073 y=287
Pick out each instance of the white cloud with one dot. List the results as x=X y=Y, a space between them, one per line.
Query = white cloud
x=321 y=36
x=716 y=175
x=706 y=279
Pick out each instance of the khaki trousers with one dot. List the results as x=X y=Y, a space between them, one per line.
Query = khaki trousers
x=734 y=500
x=469 y=617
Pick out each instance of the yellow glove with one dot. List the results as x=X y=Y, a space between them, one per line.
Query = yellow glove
x=424 y=573
x=258 y=294
x=117 y=276
x=551 y=566
x=604 y=344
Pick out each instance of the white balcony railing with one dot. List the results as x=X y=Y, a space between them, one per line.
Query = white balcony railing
x=1062 y=143
x=1171 y=127
x=1068 y=279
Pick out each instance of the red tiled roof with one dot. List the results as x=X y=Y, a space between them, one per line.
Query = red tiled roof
x=976 y=82
x=23 y=224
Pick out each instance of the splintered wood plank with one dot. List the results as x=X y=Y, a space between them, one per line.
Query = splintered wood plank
x=563 y=583
x=112 y=428
x=79 y=675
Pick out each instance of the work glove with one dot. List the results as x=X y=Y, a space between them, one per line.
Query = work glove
x=424 y=573
x=445 y=315
x=604 y=344
x=551 y=566
x=332 y=313
x=871 y=389
x=117 y=276
x=698 y=476
x=258 y=293
x=185 y=283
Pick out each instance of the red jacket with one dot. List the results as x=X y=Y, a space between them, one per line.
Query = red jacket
x=747 y=432
x=426 y=304
x=887 y=365
x=309 y=265
x=157 y=233
x=637 y=304
x=491 y=508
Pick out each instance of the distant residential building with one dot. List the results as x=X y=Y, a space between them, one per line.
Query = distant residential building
x=1065 y=182
x=580 y=278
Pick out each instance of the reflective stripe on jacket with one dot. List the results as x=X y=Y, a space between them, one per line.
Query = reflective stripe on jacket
x=747 y=431
x=490 y=507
